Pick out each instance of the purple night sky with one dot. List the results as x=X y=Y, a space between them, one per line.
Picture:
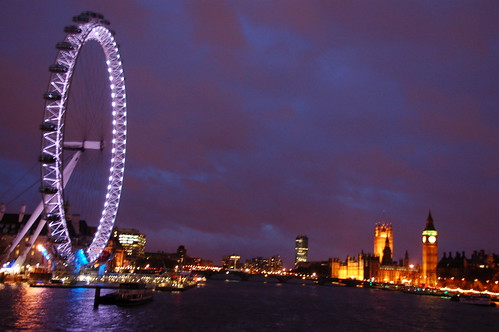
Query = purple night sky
x=251 y=122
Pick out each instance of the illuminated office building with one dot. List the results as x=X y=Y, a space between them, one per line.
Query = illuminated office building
x=231 y=262
x=301 y=249
x=272 y=264
x=132 y=241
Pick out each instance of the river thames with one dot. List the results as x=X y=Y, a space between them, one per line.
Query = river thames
x=241 y=306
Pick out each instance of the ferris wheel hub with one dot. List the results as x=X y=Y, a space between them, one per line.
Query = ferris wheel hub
x=85 y=145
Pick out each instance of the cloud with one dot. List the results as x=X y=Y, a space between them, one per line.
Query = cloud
x=216 y=24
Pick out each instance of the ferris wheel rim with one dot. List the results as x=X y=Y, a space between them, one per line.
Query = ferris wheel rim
x=88 y=26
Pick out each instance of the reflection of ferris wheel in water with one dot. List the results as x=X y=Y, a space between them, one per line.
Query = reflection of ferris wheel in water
x=64 y=142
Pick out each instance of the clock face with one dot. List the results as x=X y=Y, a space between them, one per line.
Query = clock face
x=424 y=238
x=432 y=239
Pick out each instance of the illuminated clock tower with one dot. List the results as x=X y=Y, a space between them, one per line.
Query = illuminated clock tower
x=430 y=253
x=382 y=232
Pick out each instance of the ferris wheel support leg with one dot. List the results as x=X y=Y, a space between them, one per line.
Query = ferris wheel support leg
x=70 y=167
x=68 y=170
x=22 y=257
x=36 y=213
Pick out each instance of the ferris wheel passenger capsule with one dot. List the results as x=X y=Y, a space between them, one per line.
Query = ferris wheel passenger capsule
x=74 y=29
x=48 y=190
x=81 y=18
x=48 y=126
x=92 y=14
x=51 y=217
x=47 y=159
x=52 y=95
x=58 y=68
x=65 y=46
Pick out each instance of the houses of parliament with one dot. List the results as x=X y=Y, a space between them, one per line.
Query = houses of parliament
x=380 y=266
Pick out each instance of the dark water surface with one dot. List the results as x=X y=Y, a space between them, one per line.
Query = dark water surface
x=242 y=306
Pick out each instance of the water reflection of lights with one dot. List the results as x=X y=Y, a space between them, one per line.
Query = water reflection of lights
x=28 y=301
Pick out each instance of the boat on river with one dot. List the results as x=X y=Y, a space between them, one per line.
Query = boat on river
x=178 y=283
x=481 y=299
x=417 y=290
x=129 y=294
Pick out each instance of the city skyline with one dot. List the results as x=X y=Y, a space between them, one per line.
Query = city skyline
x=250 y=124
x=382 y=238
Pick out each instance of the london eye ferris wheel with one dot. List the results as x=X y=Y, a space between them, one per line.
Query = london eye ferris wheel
x=81 y=120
